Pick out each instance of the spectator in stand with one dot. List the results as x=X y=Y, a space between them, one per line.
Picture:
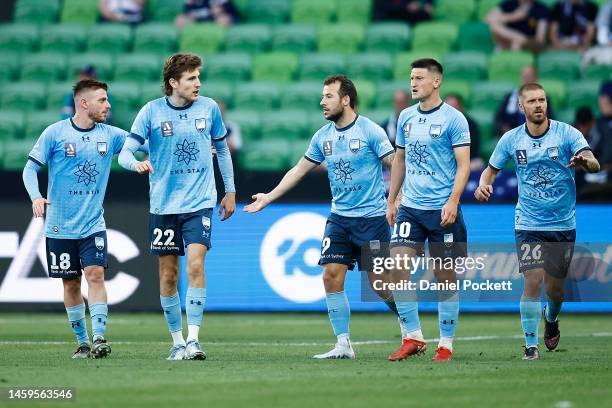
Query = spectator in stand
x=508 y=116
x=456 y=101
x=122 y=11
x=86 y=72
x=222 y=12
x=410 y=11
x=602 y=53
x=572 y=25
x=401 y=100
x=519 y=25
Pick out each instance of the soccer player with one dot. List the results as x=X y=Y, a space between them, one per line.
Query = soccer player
x=179 y=128
x=433 y=158
x=353 y=147
x=545 y=153
x=79 y=152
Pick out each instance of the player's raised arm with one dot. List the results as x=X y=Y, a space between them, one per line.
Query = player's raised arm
x=290 y=180
x=586 y=160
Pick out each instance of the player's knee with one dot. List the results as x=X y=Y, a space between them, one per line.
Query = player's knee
x=195 y=268
x=555 y=293
x=72 y=286
x=332 y=276
x=168 y=274
x=95 y=276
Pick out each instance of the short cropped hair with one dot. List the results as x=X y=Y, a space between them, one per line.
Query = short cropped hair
x=175 y=65
x=347 y=87
x=428 y=63
x=87 y=84
x=531 y=86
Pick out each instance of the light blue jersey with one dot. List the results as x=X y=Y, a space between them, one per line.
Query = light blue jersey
x=180 y=152
x=353 y=155
x=429 y=139
x=547 y=190
x=79 y=163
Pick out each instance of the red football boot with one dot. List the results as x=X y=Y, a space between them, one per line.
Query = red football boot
x=442 y=355
x=408 y=348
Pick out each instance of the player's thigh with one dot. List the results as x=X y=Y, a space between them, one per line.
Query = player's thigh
x=93 y=253
x=63 y=259
x=336 y=246
x=408 y=230
x=446 y=243
x=196 y=227
x=165 y=235
x=334 y=275
x=370 y=237
x=551 y=251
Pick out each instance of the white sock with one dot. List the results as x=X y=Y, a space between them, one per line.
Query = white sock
x=344 y=339
x=193 y=332
x=415 y=335
x=446 y=342
x=177 y=338
x=402 y=329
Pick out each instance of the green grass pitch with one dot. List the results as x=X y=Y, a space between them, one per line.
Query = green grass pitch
x=264 y=360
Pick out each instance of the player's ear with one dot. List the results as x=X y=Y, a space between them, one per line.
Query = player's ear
x=173 y=83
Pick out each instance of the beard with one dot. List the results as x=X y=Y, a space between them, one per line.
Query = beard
x=334 y=117
x=538 y=120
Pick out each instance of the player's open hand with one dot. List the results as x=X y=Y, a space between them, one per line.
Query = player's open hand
x=577 y=161
x=483 y=192
x=449 y=213
x=144 y=167
x=261 y=201
x=228 y=205
x=38 y=206
x=391 y=213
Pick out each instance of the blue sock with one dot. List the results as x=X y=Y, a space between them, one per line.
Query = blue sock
x=530 y=319
x=196 y=297
x=99 y=316
x=172 y=311
x=339 y=312
x=448 y=315
x=553 y=308
x=76 y=316
x=408 y=309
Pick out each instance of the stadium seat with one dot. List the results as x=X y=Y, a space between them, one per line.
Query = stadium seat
x=305 y=95
x=102 y=62
x=219 y=91
x=561 y=65
x=401 y=66
x=251 y=38
x=475 y=36
x=126 y=95
x=456 y=86
x=15 y=153
x=601 y=72
x=341 y=38
x=38 y=121
x=12 y=123
x=454 y=11
x=466 y=65
x=385 y=91
x=484 y=7
x=366 y=93
x=437 y=37
x=507 y=65
x=373 y=66
x=265 y=155
x=275 y=67
x=249 y=122
x=36 y=11
x=84 y=12
x=389 y=37
x=43 y=66
x=24 y=95
x=555 y=92
x=268 y=11
x=487 y=95
x=66 y=38
x=9 y=62
x=109 y=38
x=313 y=11
x=583 y=93
x=202 y=39
x=56 y=95
x=256 y=95
x=138 y=67
x=21 y=38
x=159 y=38
x=228 y=67
x=164 y=10
x=357 y=11
x=319 y=66
x=284 y=124
x=294 y=38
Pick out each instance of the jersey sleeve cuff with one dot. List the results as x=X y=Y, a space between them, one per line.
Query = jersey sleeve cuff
x=582 y=150
x=400 y=146
x=387 y=154
x=219 y=139
x=461 y=145
x=35 y=160
x=494 y=167
x=312 y=160
x=138 y=138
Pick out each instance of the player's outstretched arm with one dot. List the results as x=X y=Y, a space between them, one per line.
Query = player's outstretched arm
x=586 y=160
x=290 y=180
x=485 y=186
x=30 y=180
x=128 y=161
x=398 y=173
x=450 y=209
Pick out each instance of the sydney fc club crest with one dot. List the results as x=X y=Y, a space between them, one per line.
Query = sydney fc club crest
x=102 y=148
x=206 y=223
x=521 y=157
x=435 y=131
x=354 y=145
x=99 y=241
x=166 y=129
x=70 y=149
x=553 y=153
x=200 y=124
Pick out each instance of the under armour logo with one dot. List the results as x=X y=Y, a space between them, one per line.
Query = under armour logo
x=195 y=302
x=422 y=120
x=166 y=311
x=448 y=322
x=101 y=321
x=85 y=138
x=182 y=116
x=76 y=324
x=529 y=334
x=341 y=136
